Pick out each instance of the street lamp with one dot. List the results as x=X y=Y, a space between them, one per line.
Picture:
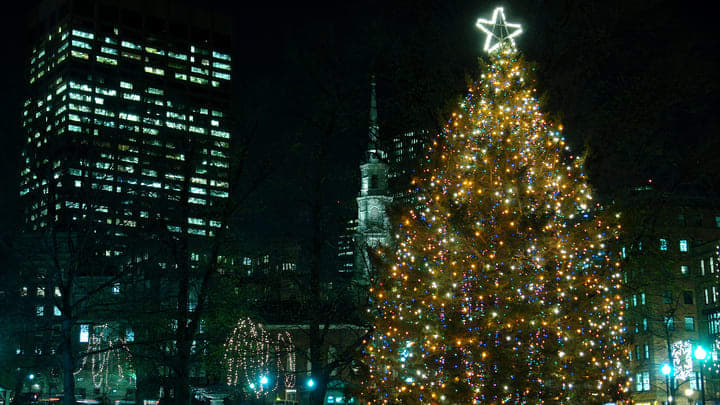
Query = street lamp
x=700 y=355
x=666 y=369
x=263 y=382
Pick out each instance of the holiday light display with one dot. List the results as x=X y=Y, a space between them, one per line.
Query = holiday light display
x=502 y=288
x=109 y=361
x=682 y=363
x=252 y=355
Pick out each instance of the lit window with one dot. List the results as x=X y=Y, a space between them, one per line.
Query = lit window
x=220 y=75
x=195 y=200
x=181 y=76
x=221 y=134
x=683 y=245
x=717 y=221
x=78 y=54
x=131 y=55
x=40 y=292
x=116 y=288
x=130 y=45
x=198 y=80
x=84 y=333
x=220 y=65
x=126 y=85
x=663 y=244
x=197 y=130
x=642 y=382
x=689 y=323
x=196 y=221
x=684 y=269
x=154 y=51
x=218 y=55
x=129 y=335
x=110 y=51
x=56 y=311
x=178 y=56
x=83 y=34
x=129 y=117
x=39 y=310
x=155 y=71
x=80 y=44
x=107 y=61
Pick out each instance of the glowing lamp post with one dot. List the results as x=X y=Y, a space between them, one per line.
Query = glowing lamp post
x=700 y=355
x=666 y=369
x=263 y=383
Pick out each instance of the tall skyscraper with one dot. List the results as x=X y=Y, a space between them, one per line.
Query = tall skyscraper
x=127 y=137
x=126 y=117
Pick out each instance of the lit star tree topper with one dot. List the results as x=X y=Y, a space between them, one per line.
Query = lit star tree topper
x=498 y=30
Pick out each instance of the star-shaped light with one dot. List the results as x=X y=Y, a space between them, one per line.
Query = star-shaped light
x=498 y=29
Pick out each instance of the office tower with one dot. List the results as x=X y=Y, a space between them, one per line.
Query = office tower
x=126 y=117
x=405 y=153
x=127 y=139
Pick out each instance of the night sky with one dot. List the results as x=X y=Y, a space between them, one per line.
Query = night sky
x=633 y=83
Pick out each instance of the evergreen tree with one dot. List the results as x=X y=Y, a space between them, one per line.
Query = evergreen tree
x=503 y=288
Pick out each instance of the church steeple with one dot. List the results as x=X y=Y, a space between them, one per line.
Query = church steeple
x=374 y=152
x=373 y=229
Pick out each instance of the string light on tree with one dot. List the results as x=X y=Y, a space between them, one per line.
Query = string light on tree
x=503 y=288
x=252 y=354
x=109 y=361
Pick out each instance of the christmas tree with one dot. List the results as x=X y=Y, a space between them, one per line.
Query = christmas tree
x=502 y=288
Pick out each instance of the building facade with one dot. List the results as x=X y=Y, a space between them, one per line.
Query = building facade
x=126 y=116
x=673 y=287
x=127 y=139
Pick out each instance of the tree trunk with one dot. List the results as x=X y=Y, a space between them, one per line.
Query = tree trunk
x=68 y=363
